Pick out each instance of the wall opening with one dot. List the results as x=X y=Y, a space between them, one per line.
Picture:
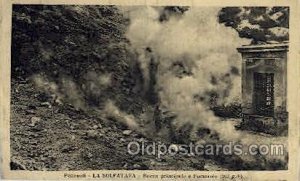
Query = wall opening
x=264 y=94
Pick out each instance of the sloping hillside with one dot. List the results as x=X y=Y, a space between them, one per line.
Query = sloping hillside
x=71 y=47
x=51 y=137
x=68 y=61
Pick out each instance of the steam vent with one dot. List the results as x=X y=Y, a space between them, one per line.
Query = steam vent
x=264 y=88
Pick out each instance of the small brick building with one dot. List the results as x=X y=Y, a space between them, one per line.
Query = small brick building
x=264 y=85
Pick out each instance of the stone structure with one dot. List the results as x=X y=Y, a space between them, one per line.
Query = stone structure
x=264 y=86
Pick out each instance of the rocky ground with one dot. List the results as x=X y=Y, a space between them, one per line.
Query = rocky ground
x=85 y=43
x=45 y=136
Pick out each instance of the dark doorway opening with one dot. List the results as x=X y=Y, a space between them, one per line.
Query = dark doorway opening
x=264 y=94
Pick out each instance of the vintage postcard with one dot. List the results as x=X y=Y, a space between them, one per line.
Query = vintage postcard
x=156 y=90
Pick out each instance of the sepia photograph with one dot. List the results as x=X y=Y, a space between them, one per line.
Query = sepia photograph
x=149 y=90
x=103 y=87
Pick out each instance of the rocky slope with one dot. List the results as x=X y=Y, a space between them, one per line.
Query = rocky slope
x=49 y=137
x=71 y=47
x=67 y=62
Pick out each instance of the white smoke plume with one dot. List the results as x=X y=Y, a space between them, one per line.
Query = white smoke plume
x=65 y=91
x=112 y=111
x=205 y=49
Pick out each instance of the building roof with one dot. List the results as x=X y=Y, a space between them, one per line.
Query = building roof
x=264 y=48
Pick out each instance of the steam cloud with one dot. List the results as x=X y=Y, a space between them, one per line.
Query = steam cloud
x=66 y=90
x=196 y=59
x=261 y=24
x=57 y=90
x=112 y=111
